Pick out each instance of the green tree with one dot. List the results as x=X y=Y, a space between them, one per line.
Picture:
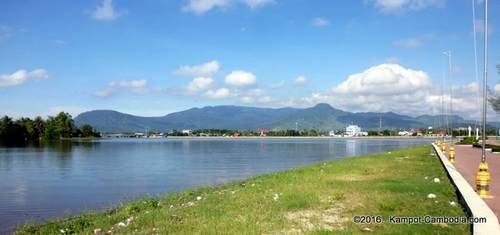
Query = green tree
x=11 y=132
x=87 y=130
x=50 y=131
x=64 y=125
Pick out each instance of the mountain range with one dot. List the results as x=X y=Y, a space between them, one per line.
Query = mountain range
x=320 y=117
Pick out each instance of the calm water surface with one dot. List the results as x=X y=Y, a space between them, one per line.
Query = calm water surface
x=38 y=183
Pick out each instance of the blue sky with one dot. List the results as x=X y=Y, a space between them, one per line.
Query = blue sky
x=156 y=57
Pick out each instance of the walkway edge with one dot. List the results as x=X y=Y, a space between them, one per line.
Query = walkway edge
x=473 y=203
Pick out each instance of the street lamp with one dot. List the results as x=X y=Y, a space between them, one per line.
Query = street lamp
x=483 y=176
x=450 y=71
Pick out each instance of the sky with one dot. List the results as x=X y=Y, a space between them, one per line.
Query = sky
x=152 y=58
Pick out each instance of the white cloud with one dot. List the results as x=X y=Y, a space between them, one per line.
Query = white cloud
x=480 y=27
x=404 y=5
x=384 y=79
x=218 y=94
x=320 y=22
x=392 y=87
x=300 y=80
x=409 y=43
x=206 y=69
x=106 y=11
x=278 y=85
x=60 y=42
x=241 y=79
x=201 y=6
x=257 y=3
x=199 y=84
x=5 y=32
x=497 y=89
x=73 y=110
x=20 y=76
x=136 y=86
x=247 y=99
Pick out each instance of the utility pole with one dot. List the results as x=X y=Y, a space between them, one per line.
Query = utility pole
x=450 y=71
x=483 y=176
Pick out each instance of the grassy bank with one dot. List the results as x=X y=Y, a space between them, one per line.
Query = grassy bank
x=315 y=199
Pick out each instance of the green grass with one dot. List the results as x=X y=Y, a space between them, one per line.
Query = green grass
x=319 y=199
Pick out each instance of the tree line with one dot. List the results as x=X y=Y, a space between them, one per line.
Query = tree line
x=59 y=127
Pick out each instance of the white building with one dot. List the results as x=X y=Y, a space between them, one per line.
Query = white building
x=405 y=133
x=187 y=132
x=353 y=130
x=331 y=133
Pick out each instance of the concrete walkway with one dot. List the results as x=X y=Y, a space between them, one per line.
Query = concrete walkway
x=467 y=160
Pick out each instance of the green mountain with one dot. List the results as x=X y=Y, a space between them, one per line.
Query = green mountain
x=320 y=117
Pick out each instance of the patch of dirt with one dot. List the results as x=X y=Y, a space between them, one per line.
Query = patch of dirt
x=354 y=178
x=311 y=220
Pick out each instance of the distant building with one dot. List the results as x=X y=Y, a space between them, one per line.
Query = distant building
x=264 y=132
x=404 y=133
x=331 y=133
x=353 y=130
x=187 y=132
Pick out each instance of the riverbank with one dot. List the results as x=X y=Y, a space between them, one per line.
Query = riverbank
x=318 y=198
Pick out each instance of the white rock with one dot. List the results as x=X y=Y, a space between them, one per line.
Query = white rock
x=97 y=231
x=452 y=203
x=199 y=198
x=426 y=177
x=431 y=195
x=276 y=197
x=130 y=219
x=437 y=180
x=121 y=224
x=367 y=229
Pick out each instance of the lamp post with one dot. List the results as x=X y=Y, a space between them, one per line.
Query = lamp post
x=450 y=71
x=483 y=176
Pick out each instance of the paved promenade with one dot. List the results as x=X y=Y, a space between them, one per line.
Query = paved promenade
x=467 y=160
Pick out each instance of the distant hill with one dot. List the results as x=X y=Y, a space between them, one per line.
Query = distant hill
x=321 y=117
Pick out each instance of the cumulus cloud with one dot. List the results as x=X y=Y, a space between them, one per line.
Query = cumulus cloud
x=199 y=7
x=320 y=22
x=199 y=84
x=218 y=93
x=384 y=79
x=106 y=11
x=278 y=85
x=408 y=43
x=21 y=76
x=202 y=6
x=241 y=79
x=206 y=69
x=257 y=3
x=392 y=87
x=404 y=5
x=135 y=86
x=300 y=80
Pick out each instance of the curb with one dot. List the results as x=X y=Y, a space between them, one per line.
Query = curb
x=473 y=203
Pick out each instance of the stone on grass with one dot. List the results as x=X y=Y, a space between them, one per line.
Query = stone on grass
x=97 y=231
x=199 y=198
x=121 y=224
x=436 y=180
x=276 y=197
x=431 y=195
x=452 y=203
